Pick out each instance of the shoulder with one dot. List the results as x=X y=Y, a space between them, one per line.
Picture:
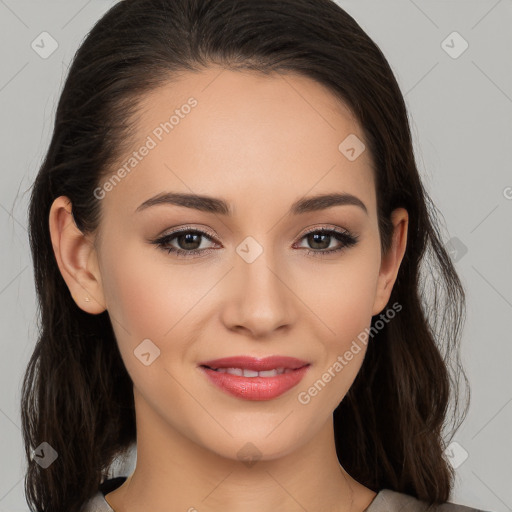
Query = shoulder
x=391 y=501
x=96 y=504
x=385 y=501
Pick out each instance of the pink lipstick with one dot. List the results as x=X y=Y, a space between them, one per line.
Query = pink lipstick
x=253 y=378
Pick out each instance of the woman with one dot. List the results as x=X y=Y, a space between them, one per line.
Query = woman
x=227 y=234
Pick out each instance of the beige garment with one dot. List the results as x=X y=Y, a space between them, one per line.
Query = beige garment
x=385 y=501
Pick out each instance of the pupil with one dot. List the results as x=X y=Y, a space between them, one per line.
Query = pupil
x=187 y=237
x=315 y=240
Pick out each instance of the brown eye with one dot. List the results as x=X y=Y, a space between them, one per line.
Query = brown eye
x=320 y=240
x=188 y=242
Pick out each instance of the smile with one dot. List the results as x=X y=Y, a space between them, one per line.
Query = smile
x=253 y=378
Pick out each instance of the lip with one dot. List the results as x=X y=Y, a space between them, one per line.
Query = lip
x=256 y=364
x=255 y=388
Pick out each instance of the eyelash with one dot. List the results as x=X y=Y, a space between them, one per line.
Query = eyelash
x=345 y=237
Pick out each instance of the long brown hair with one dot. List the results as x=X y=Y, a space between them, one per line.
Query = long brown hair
x=77 y=394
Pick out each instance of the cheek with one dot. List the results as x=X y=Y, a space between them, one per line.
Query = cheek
x=134 y=302
x=147 y=296
x=148 y=300
x=342 y=294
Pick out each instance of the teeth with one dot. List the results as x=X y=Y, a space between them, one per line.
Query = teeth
x=251 y=373
x=247 y=373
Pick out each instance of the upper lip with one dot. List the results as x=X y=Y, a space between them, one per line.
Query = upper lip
x=256 y=364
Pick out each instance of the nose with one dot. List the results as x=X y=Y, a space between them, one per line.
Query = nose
x=260 y=297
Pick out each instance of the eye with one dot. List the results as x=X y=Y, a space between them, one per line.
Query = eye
x=320 y=239
x=189 y=241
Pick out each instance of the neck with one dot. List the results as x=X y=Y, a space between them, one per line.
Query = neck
x=174 y=473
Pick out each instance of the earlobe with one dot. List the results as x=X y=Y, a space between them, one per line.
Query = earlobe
x=76 y=258
x=390 y=263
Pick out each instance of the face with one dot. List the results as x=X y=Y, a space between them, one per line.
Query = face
x=256 y=277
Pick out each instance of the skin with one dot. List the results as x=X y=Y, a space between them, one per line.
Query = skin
x=260 y=143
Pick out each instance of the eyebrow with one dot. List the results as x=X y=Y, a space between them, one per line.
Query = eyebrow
x=219 y=206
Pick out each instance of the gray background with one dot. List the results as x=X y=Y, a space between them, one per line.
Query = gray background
x=461 y=115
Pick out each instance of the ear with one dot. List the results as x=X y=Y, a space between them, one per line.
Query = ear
x=390 y=262
x=76 y=258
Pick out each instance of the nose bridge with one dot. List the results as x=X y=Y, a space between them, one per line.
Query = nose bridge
x=261 y=299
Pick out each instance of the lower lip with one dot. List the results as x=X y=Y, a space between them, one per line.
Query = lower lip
x=255 y=388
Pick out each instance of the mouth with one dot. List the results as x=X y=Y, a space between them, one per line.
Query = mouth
x=253 y=365
x=245 y=372
x=252 y=378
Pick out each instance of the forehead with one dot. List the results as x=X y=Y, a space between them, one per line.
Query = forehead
x=227 y=133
